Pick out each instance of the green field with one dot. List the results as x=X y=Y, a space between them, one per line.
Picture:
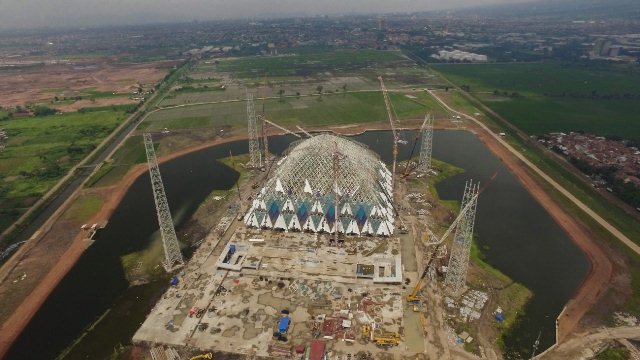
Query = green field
x=131 y=152
x=328 y=109
x=547 y=97
x=41 y=150
x=307 y=63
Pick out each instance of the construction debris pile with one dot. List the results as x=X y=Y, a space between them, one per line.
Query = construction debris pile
x=471 y=305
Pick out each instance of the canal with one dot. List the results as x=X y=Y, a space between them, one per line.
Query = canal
x=514 y=233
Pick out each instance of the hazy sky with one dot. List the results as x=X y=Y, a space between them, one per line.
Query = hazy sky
x=37 y=13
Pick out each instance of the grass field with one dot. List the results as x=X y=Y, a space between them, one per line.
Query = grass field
x=83 y=208
x=328 y=109
x=307 y=63
x=41 y=150
x=546 y=97
x=611 y=213
x=130 y=153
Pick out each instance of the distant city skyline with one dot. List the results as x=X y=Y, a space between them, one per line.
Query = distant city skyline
x=24 y=14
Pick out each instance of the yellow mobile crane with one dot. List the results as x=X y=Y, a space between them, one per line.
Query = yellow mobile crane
x=203 y=356
x=396 y=137
x=413 y=296
x=389 y=339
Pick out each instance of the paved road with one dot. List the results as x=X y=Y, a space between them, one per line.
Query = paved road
x=610 y=228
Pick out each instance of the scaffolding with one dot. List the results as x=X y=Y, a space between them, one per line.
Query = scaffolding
x=173 y=257
x=459 y=260
x=330 y=184
x=424 y=164
x=255 y=155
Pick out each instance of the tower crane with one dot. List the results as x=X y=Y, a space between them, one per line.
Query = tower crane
x=408 y=169
x=462 y=212
x=304 y=131
x=266 y=121
x=264 y=118
x=412 y=297
x=396 y=137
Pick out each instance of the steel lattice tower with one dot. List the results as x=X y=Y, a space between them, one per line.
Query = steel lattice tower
x=173 y=257
x=459 y=260
x=255 y=159
x=424 y=164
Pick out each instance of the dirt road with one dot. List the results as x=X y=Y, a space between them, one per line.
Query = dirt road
x=597 y=280
x=585 y=346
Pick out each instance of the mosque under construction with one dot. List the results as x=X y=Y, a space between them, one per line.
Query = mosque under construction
x=323 y=176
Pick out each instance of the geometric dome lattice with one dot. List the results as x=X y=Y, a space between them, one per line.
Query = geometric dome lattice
x=301 y=194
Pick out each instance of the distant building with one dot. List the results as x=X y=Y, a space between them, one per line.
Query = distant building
x=457 y=55
x=601 y=47
x=382 y=24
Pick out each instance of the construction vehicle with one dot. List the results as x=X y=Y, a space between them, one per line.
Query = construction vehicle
x=193 y=311
x=387 y=340
x=366 y=331
x=396 y=137
x=413 y=296
x=202 y=356
x=408 y=169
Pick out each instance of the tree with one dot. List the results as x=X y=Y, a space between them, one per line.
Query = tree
x=42 y=110
x=319 y=89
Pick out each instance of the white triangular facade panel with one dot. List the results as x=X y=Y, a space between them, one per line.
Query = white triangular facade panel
x=308 y=225
x=280 y=223
x=294 y=224
x=279 y=187
x=307 y=187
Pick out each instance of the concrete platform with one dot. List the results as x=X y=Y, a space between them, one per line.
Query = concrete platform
x=297 y=275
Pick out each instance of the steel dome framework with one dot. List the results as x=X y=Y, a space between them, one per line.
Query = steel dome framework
x=317 y=172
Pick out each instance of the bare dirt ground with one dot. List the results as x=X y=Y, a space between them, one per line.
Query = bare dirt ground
x=22 y=85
